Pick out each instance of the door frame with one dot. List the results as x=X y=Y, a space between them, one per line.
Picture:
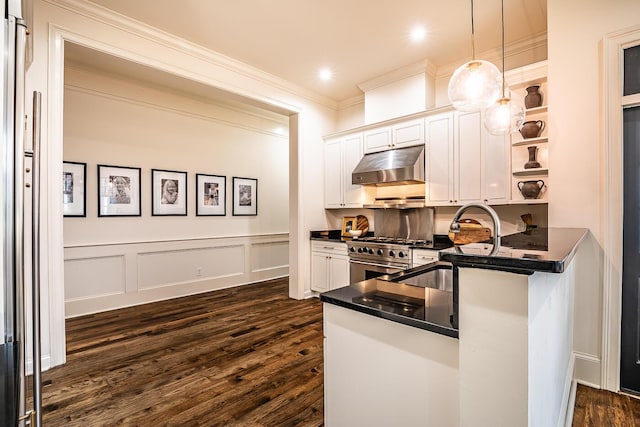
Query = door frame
x=612 y=203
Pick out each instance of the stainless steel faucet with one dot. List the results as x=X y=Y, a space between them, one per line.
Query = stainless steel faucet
x=455 y=224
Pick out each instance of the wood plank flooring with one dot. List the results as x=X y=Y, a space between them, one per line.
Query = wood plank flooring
x=601 y=408
x=245 y=356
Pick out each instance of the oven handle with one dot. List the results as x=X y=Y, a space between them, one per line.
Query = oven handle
x=373 y=264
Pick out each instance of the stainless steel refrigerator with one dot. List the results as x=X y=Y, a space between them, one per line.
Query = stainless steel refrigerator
x=20 y=182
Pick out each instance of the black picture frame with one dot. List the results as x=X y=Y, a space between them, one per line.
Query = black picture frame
x=211 y=195
x=74 y=189
x=245 y=196
x=168 y=193
x=113 y=201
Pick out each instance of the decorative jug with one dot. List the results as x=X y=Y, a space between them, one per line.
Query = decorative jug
x=533 y=98
x=530 y=189
x=532 y=129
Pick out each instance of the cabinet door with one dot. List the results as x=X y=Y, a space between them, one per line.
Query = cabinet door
x=496 y=168
x=439 y=162
x=333 y=174
x=408 y=134
x=352 y=154
x=468 y=162
x=319 y=272
x=377 y=140
x=339 y=270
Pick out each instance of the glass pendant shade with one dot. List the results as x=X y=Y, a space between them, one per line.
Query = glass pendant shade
x=475 y=86
x=504 y=117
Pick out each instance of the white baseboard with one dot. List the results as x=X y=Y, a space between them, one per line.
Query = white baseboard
x=588 y=369
x=571 y=404
x=45 y=364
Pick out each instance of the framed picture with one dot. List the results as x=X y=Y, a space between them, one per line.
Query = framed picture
x=118 y=191
x=348 y=224
x=168 y=192
x=211 y=195
x=245 y=196
x=74 y=188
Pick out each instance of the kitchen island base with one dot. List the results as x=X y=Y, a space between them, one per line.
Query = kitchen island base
x=383 y=373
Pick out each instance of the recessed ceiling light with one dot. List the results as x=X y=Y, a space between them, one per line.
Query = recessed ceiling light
x=418 y=34
x=325 y=74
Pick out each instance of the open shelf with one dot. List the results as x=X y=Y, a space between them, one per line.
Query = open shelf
x=529 y=172
x=536 y=110
x=528 y=202
x=531 y=141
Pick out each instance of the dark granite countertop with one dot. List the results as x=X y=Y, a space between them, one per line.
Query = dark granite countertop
x=424 y=308
x=440 y=241
x=542 y=249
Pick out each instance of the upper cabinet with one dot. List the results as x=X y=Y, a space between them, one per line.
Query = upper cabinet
x=341 y=156
x=399 y=135
x=464 y=162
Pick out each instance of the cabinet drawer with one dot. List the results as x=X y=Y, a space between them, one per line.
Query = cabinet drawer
x=334 y=248
x=423 y=256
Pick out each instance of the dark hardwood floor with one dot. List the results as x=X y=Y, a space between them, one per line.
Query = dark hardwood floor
x=601 y=408
x=245 y=356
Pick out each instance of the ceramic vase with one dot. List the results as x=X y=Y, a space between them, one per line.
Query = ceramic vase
x=530 y=189
x=532 y=163
x=533 y=98
x=532 y=129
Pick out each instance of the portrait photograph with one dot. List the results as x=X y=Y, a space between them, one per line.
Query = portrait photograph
x=74 y=189
x=118 y=191
x=245 y=196
x=168 y=192
x=211 y=195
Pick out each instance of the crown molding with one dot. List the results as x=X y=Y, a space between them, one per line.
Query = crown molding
x=351 y=102
x=140 y=29
x=495 y=56
x=420 y=67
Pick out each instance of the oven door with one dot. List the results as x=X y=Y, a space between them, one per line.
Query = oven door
x=363 y=270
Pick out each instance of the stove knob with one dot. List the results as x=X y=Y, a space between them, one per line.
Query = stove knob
x=370 y=251
x=380 y=252
x=391 y=253
x=401 y=254
x=359 y=250
x=352 y=249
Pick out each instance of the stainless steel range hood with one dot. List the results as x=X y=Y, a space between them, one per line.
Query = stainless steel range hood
x=391 y=167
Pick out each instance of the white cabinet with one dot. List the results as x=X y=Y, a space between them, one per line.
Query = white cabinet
x=464 y=162
x=423 y=256
x=341 y=156
x=405 y=134
x=329 y=265
x=439 y=159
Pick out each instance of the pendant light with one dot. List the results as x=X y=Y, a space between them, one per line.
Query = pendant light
x=505 y=115
x=475 y=85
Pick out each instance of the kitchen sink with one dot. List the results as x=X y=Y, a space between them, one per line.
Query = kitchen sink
x=436 y=276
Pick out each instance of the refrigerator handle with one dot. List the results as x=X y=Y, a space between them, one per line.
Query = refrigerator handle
x=35 y=264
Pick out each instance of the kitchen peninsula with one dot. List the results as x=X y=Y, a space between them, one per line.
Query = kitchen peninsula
x=512 y=363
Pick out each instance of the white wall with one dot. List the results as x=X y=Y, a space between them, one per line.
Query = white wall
x=122 y=122
x=576 y=29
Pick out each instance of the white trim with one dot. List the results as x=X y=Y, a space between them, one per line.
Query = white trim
x=126 y=24
x=613 y=204
x=53 y=244
x=567 y=404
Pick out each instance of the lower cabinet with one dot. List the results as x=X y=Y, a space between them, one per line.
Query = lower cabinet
x=424 y=256
x=329 y=266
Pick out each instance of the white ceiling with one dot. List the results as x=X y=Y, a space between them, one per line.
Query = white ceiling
x=358 y=39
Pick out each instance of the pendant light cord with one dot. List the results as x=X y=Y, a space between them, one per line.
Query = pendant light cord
x=473 y=32
x=503 y=81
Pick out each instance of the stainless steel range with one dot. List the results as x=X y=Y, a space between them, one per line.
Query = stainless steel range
x=390 y=250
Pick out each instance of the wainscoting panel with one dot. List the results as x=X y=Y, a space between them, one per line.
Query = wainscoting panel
x=94 y=277
x=164 y=268
x=108 y=276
